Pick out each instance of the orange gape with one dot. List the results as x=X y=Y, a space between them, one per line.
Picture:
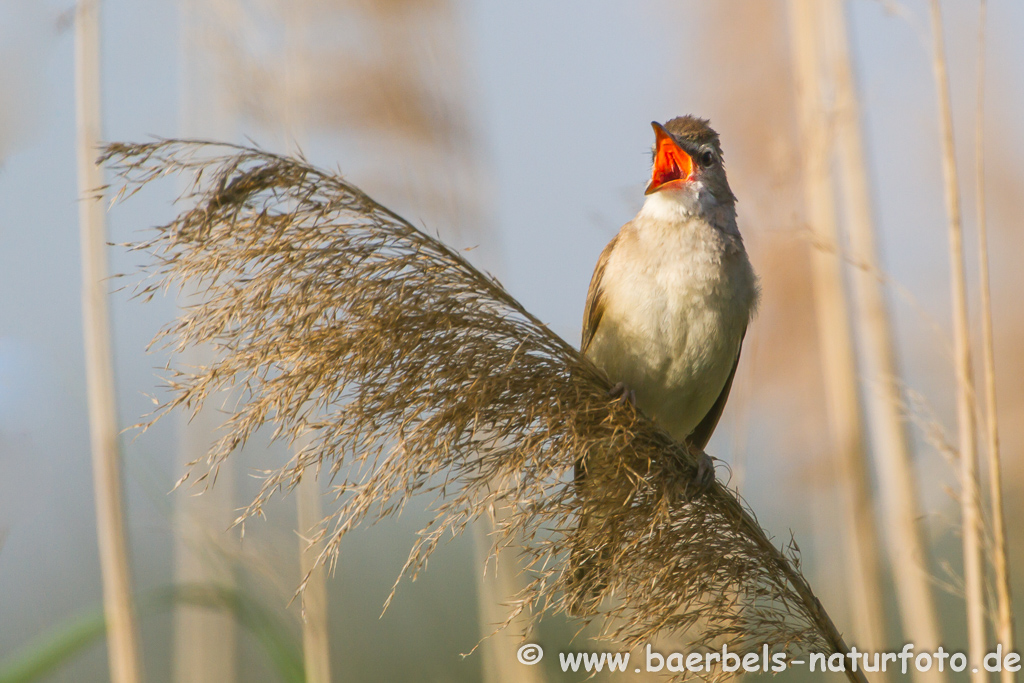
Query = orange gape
x=671 y=163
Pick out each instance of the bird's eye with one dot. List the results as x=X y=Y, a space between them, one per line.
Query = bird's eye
x=707 y=158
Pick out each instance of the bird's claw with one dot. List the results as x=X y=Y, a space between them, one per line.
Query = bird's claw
x=704 y=475
x=623 y=393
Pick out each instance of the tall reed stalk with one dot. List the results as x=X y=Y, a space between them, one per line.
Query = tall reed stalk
x=316 y=640
x=970 y=503
x=907 y=546
x=499 y=580
x=316 y=644
x=839 y=367
x=205 y=640
x=1004 y=603
x=122 y=648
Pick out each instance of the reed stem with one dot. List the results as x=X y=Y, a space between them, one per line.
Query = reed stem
x=122 y=647
x=974 y=573
x=1004 y=603
x=316 y=648
x=839 y=365
x=907 y=546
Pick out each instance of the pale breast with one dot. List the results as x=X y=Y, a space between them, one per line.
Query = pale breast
x=676 y=301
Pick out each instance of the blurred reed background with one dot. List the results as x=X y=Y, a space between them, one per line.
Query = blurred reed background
x=521 y=129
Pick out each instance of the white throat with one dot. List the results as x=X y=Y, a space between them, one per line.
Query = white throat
x=686 y=202
x=670 y=205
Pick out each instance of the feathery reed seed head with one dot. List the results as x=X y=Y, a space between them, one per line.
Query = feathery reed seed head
x=414 y=373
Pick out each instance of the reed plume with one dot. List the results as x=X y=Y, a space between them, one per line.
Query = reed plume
x=407 y=371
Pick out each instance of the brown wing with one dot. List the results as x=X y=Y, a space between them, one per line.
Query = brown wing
x=594 y=308
x=592 y=313
x=701 y=434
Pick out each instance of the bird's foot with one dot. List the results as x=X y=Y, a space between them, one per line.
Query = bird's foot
x=623 y=393
x=704 y=475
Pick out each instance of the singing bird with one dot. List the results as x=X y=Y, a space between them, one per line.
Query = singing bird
x=673 y=292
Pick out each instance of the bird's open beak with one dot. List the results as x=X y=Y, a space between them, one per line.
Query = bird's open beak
x=671 y=163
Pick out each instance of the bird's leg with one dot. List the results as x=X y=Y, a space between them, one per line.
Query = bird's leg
x=705 y=473
x=622 y=392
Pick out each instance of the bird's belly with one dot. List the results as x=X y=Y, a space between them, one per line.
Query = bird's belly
x=674 y=349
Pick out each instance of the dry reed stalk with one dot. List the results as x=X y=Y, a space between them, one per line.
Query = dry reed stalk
x=316 y=646
x=1004 y=601
x=123 y=652
x=316 y=641
x=974 y=570
x=494 y=594
x=498 y=582
x=205 y=641
x=839 y=366
x=893 y=460
x=415 y=373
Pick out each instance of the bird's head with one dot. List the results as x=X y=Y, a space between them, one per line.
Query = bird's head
x=688 y=166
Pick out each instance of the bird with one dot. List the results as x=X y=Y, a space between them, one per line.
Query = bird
x=673 y=292
x=670 y=300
